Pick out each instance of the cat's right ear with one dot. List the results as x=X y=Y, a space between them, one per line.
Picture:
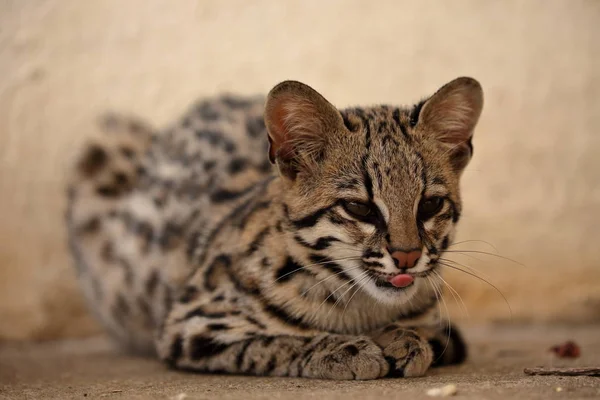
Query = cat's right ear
x=450 y=115
x=298 y=121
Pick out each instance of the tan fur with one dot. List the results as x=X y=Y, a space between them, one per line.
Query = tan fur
x=189 y=244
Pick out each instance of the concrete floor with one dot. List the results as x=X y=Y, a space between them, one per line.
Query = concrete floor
x=92 y=369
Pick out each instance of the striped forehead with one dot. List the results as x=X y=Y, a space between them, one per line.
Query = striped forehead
x=397 y=184
x=393 y=171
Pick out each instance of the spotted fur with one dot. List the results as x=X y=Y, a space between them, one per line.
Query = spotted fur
x=191 y=244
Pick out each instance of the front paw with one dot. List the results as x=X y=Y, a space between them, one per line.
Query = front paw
x=345 y=358
x=407 y=353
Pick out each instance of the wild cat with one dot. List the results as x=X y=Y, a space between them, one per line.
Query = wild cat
x=280 y=237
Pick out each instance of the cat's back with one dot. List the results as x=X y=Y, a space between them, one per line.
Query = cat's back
x=142 y=201
x=218 y=139
x=206 y=161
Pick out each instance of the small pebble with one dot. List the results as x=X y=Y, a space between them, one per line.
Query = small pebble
x=558 y=389
x=444 y=391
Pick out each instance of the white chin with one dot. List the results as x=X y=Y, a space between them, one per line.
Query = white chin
x=392 y=295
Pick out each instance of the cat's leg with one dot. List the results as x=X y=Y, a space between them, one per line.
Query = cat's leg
x=219 y=337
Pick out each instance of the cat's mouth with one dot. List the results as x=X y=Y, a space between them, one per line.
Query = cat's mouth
x=392 y=281
x=399 y=281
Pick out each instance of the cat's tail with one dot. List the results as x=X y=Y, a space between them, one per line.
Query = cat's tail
x=102 y=178
x=109 y=165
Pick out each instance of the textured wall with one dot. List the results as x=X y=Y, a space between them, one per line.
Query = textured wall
x=532 y=190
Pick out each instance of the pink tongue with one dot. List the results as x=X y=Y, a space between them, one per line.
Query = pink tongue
x=401 y=280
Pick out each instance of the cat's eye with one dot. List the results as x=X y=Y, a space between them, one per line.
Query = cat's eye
x=358 y=210
x=429 y=207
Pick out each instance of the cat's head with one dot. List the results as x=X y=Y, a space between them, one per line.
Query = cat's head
x=374 y=190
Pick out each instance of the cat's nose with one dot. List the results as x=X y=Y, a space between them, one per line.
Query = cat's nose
x=405 y=259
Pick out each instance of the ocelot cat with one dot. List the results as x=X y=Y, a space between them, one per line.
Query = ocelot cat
x=278 y=236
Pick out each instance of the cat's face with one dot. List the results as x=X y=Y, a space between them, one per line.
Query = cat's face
x=375 y=190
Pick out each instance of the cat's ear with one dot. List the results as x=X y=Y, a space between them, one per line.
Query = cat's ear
x=451 y=114
x=298 y=121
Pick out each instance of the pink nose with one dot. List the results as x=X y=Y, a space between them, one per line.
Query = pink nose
x=406 y=260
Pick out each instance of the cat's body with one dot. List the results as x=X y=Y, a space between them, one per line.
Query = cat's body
x=190 y=243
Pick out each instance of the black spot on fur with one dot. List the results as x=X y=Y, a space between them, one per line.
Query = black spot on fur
x=127 y=271
x=445 y=243
x=175 y=352
x=309 y=220
x=288 y=270
x=347 y=123
x=455 y=211
x=347 y=184
x=146 y=311
x=209 y=165
x=237 y=165
x=170 y=236
x=208 y=112
x=367 y=181
x=285 y=317
x=372 y=254
x=261 y=205
x=127 y=152
x=200 y=312
x=396 y=117
x=257 y=241
x=373 y=264
x=271 y=365
x=216 y=139
x=255 y=322
x=387 y=139
x=108 y=191
x=265 y=262
x=202 y=347
x=121 y=178
x=267 y=340
x=393 y=372
x=108 y=252
x=90 y=226
x=351 y=349
x=224 y=195
x=222 y=261
x=255 y=127
x=94 y=159
x=329 y=264
x=189 y=294
x=438 y=180
x=217 y=327
x=152 y=283
x=121 y=309
x=239 y=360
x=415 y=112
x=235 y=102
x=321 y=244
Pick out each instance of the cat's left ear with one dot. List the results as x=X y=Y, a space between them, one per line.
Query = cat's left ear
x=451 y=115
x=299 y=121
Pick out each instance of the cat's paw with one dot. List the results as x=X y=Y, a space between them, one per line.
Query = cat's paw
x=345 y=358
x=407 y=353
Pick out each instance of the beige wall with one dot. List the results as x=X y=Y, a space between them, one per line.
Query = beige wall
x=533 y=189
